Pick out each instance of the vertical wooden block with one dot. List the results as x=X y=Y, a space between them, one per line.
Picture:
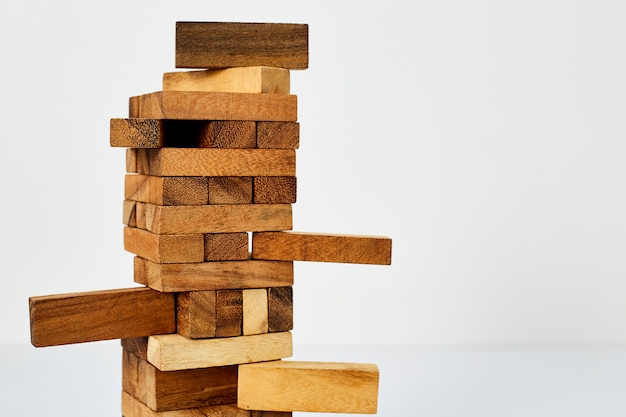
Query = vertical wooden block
x=228 y=134
x=228 y=313
x=255 y=311
x=131 y=160
x=226 y=246
x=129 y=213
x=230 y=190
x=274 y=190
x=174 y=248
x=280 y=309
x=196 y=314
x=140 y=215
x=278 y=135
x=130 y=377
x=133 y=107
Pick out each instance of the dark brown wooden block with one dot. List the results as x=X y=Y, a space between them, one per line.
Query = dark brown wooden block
x=226 y=246
x=280 y=309
x=230 y=190
x=278 y=135
x=136 y=133
x=100 y=315
x=136 y=345
x=196 y=314
x=274 y=190
x=228 y=313
x=228 y=134
x=230 y=44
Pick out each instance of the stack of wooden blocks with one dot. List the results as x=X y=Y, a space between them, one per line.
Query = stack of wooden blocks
x=208 y=195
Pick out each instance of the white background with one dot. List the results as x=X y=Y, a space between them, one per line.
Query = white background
x=485 y=137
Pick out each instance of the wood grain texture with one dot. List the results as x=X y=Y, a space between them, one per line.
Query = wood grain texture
x=230 y=190
x=138 y=346
x=129 y=213
x=136 y=133
x=131 y=160
x=100 y=315
x=280 y=309
x=228 y=134
x=218 y=218
x=171 y=248
x=201 y=105
x=174 y=352
x=231 y=44
x=251 y=79
x=229 y=313
x=196 y=316
x=209 y=162
x=278 y=135
x=255 y=311
x=226 y=246
x=318 y=247
x=132 y=407
x=213 y=275
x=274 y=190
x=167 y=191
x=327 y=387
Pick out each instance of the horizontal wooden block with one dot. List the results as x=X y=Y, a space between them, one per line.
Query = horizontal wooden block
x=100 y=315
x=230 y=80
x=228 y=134
x=171 y=248
x=230 y=190
x=209 y=162
x=280 y=309
x=278 y=135
x=274 y=190
x=317 y=247
x=174 y=352
x=201 y=105
x=136 y=133
x=231 y=44
x=226 y=246
x=255 y=311
x=218 y=218
x=213 y=275
x=327 y=387
x=167 y=191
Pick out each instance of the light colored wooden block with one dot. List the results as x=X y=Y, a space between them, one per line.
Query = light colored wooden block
x=278 y=135
x=299 y=246
x=218 y=218
x=233 y=134
x=231 y=44
x=230 y=80
x=274 y=190
x=136 y=133
x=171 y=248
x=327 y=387
x=210 y=162
x=132 y=407
x=226 y=246
x=230 y=190
x=196 y=314
x=201 y=105
x=280 y=309
x=213 y=275
x=100 y=315
x=129 y=213
x=173 y=352
x=131 y=160
x=167 y=191
x=255 y=311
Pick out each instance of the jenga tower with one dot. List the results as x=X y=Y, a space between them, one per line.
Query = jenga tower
x=211 y=177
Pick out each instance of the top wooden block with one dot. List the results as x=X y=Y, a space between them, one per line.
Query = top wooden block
x=227 y=45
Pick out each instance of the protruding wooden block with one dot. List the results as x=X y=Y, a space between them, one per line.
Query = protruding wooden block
x=231 y=44
x=196 y=314
x=218 y=218
x=230 y=80
x=255 y=311
x=278 y=135
x=201 y=105
x=172 y=248
x=226 y=246
x=317 y=247
x=274 y=190
x=230 y=190
x=100 y=315
x=213 y=275
x=230 y=134
x=167 y=191
x=210 y=162
x=327 y=387
x=174 y=352
x=280 y=309
x=136 y=133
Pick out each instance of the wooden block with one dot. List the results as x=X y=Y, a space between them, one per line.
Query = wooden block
x=140 y=215
x=233 y=134
x=130 y=373
x=100 y=315
x=174 y=352
x=230 y=80
x=136 y=133
x=138 y=346
x=209 y=162
x=132 y=407
x=218 y=218
x=131 y=160
x=174 y=248
x=167 y=191
x=213 y=275
x=327 y=387
x=196 y=314
x=274 y=190
x=226 y=246
x=129 y=213
x=133 y=107
x=278 y=135
x=228 y=313
x=230 y=190
x=280 y=309
x=201 y=105
x=229 y=44
x=255 y=311
x=317 y=247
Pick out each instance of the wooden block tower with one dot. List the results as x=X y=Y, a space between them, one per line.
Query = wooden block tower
x=211 y=177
